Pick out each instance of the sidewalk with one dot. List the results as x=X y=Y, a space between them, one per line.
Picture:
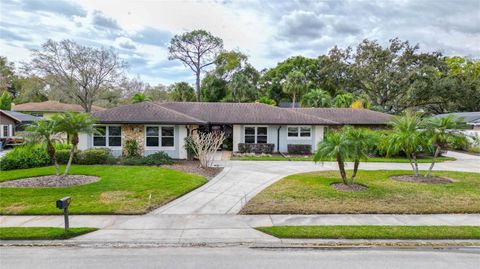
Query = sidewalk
x=194 y=229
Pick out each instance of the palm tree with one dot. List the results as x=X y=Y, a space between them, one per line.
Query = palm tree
x=440 y=131
x=408 y=136
x=360 y=142
x=140 y=97
x=334 y=146
x=295 y=85
x=73 y=124
x=317 y=98
x=45 y=132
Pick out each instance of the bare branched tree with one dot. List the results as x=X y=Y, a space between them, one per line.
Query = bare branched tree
x=204 y=146
x=82 y=71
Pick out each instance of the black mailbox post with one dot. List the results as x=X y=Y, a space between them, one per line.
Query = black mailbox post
x=63 y=204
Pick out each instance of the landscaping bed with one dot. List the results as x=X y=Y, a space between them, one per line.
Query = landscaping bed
x=120 y=190
x=373 y=232
x=194 y=168
x=313 y=193
x=50 y=181
x=278 y=157
x=422 y=179
x=41 y=233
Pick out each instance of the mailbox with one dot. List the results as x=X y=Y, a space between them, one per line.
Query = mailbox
x=64 y=202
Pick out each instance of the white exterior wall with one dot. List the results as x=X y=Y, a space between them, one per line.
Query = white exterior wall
x=318 y=137
x=83 y=141
x=237 y=134
x=182 y=134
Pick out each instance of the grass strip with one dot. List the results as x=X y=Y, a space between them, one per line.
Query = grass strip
x=41 y=233
x=373 y=232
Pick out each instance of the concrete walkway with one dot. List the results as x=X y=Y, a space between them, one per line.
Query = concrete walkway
x=240 y=181
x=217 y=228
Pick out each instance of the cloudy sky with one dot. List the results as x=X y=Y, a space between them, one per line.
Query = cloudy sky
x=267 y=31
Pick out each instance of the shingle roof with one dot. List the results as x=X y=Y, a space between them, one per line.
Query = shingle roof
x=145 y=112
x=243 y=113
x=236 y=113
x=52 y=106
x=20 y=116
x=469 y=117
x=348 y=115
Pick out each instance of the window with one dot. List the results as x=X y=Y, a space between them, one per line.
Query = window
x=164 y=136
x=5 y=130
x=37 y=114
x=255 y=135
x=107 y=136
x=299 y=132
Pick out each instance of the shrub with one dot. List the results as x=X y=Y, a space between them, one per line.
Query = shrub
x=131 y=146
x=299 y=149
x=28 y=156
x=62 y=156
x=95 y=156
x=255 y=148
x=158 y=158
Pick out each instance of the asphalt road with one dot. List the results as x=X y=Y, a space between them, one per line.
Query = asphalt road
x=57 y=257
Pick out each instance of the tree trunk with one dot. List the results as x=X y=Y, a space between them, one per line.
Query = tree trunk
x=197 y=85
x=72 y=152
x=355 y=170
x=437 y=152
x=341 y=167
x=293 y=101
x=415 y=162
x=51 y=153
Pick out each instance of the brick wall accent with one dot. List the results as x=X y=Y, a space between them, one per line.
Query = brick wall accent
x=134 y=131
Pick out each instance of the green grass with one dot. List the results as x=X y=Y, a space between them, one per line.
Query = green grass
x=121 y=190
x=310 y=158
x=374 y=232
x=312 y=193
x=41 y=233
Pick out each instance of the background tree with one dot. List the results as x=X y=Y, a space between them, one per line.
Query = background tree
x=5 y=101
x=266 y=100
x=158 y=93
x=140 y=97
x=7 y=76
x=81 y=71
x=344 y=100
x=46 y=131
x=295 y=85
x=214 y=89
x=243 y=86
x=197 y=50
x=182 y=92
x=317 y=98
x=73 y=124
x=30 y=89
x=228 y=63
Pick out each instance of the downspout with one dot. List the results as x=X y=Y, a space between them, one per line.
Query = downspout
x=278 y=138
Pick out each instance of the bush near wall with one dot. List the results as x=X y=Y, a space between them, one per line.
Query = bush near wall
x=255 y=148
x=158 y=158
x=299 y=149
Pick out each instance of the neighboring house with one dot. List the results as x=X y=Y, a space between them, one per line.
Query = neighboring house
x=471 y=118
x=164 y=126
x=49 y=108
x=11 y=121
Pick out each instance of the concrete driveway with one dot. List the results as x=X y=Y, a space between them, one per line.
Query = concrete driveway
x=240 y=181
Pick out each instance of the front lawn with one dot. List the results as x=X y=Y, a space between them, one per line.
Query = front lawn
x=312 y=193
x=41 y=233
x=121 y=190
x=374 y=232
x=310 y=158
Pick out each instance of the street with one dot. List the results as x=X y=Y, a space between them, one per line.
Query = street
x=234 y=257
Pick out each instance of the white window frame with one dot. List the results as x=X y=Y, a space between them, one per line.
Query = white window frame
x=159 y=147
x=107 y=135
x=298 y=137
x=256 y=133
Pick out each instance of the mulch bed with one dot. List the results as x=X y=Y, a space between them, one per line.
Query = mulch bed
x=194 y=168
x=421 y=179
x=352 y=187
x=50 y=181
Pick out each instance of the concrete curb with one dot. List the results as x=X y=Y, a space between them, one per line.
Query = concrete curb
x=288 y=243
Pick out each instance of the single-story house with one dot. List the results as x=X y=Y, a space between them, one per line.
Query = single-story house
x=49 y=108
x=472 y=119
x=11 y=121
x=248 y=126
